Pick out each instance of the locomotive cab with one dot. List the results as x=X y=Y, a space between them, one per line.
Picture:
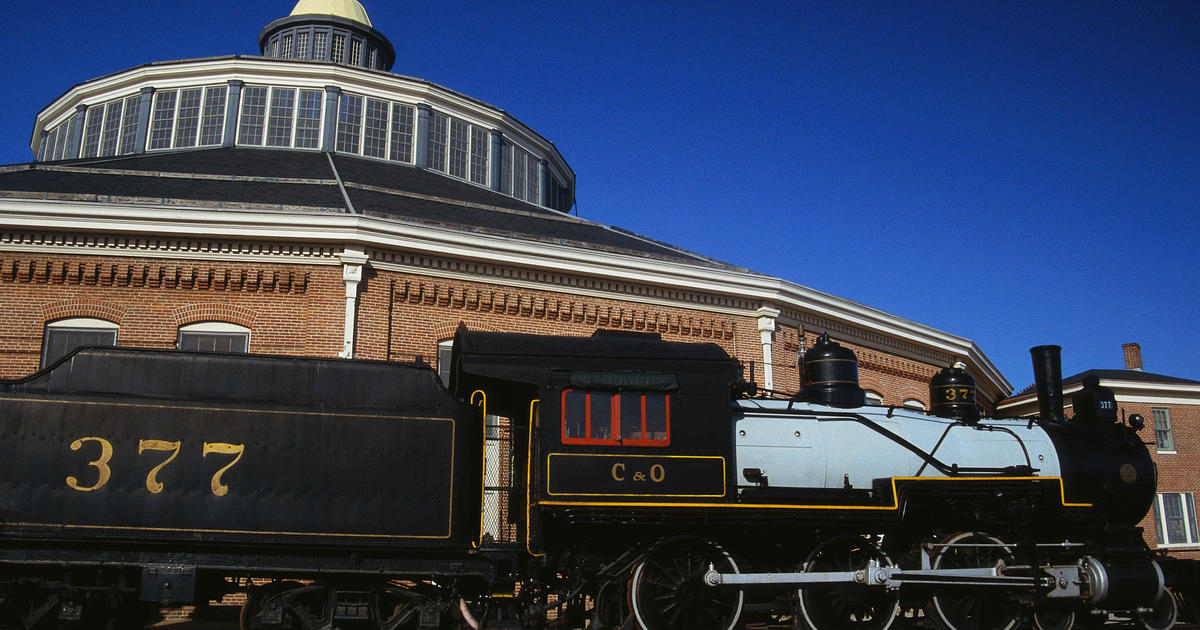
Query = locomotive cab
x=613 y=424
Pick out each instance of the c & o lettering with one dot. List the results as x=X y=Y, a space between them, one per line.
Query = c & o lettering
x=618 y=472
x=657 y=473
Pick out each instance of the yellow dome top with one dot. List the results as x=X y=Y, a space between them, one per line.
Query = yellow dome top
x=349 y=9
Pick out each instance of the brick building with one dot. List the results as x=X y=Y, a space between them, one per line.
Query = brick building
x=308 y=201
x=1171 y=409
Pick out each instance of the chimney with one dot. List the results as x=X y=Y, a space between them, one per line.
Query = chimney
x=1047 y=374
x=1133 y=356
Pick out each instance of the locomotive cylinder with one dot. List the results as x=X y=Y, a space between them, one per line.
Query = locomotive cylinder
x=1116 y=584
x=1047 y=374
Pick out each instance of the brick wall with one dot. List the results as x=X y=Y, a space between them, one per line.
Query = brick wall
x=298 y=309
x=403 y=314
x=1178 y=471
x=290 y=309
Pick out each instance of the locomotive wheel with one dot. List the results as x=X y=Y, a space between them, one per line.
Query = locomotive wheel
x=968 y=608
x=1162 y=614
x=610 y=608
x=667 y=590
x=846 y=606
x=1053 y=619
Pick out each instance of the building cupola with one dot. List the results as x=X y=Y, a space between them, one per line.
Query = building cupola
x=328 y=30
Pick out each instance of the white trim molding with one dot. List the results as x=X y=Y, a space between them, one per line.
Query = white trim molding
x=1125 y=391
x=353 y=261
x=766 y=334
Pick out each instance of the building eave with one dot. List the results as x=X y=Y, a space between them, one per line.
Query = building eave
x=367 y=232
x=1124 y=391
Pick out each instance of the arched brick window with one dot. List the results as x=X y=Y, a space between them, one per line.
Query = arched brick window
x=214 y=337
x=64 y=335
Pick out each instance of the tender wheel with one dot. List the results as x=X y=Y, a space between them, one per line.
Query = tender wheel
x=667 y=590
x=1162 y=614
x=396 y=609
x=29 y=608
x=972 y=608
x=1053 y=619
x=251 y=615
x=846 y=606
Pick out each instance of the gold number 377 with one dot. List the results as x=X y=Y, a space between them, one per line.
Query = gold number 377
x=101 y=463
x=153 y=485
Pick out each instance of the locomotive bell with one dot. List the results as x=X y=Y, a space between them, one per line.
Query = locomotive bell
x=952 y=394
x=831 y=375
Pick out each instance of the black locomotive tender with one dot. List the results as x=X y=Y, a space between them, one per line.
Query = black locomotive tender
x=631 y=483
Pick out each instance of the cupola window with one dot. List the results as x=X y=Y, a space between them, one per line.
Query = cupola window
x=321 y=46
x=339 y=48
x=302 y=45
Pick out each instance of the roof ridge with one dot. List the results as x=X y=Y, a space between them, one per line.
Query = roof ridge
x=675 y=248
x=466 y=204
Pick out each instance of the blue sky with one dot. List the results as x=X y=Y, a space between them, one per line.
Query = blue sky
x=1017 y=173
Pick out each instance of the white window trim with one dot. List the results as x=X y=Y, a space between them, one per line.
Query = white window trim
x=218 y=327
x=150 y=123
x=269 y=112
x=1170 y=429
x=96 y=111
x=237 y=132
x=1160 y=521
x=83 y=322
x=204 y=92
x=79 y=324
x=199 y=117
x=105 y=127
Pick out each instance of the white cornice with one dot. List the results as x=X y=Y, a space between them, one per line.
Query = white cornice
x=1147 y=392
x=369 y=232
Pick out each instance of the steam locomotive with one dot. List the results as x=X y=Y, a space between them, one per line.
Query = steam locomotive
x=612 y=481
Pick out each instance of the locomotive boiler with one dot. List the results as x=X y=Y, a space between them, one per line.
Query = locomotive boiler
x=617 y=480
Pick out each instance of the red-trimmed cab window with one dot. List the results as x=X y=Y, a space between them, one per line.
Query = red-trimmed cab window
x=622 y=418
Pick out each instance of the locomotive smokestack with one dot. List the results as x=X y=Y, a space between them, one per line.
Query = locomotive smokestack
x=1047 y=373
